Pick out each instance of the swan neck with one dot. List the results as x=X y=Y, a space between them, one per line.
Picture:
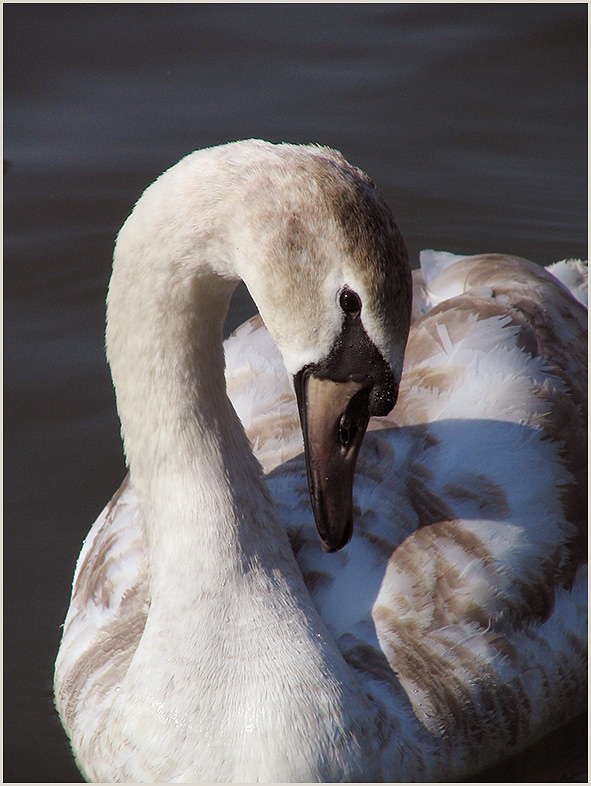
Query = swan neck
x=225 y=589
x=201 y=491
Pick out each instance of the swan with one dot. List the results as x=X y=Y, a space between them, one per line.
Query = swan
x=219 y=630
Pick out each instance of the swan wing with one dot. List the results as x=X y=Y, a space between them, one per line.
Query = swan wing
x=465 y=582
x=574 y=274
x=461 y=599
x=107 y=613
x=262 y=394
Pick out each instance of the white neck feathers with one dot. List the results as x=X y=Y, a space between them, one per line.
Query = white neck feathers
x=227 y=597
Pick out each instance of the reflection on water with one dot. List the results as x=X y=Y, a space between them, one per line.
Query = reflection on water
x=472 y=119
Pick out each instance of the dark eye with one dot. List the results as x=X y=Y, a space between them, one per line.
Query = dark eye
x=350 y=302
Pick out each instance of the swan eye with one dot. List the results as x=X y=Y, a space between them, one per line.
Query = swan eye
x=350 y=302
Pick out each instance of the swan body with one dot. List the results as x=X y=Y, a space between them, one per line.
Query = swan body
x=209 y=636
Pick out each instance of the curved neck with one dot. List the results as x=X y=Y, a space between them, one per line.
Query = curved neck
x=227 y=597
x=200 y=488
x=205 y=504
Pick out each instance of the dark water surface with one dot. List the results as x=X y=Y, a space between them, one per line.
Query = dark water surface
x=471 y=118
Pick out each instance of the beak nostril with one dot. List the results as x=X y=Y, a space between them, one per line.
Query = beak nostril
x=346 y=430
x=356 y=413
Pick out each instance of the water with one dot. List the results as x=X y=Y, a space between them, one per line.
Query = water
x=472 y=119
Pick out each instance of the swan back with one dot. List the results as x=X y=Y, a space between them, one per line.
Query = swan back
x=476 y=597
x=209 y=637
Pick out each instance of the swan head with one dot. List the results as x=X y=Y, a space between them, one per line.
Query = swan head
x=329 y=272
x=318 y=248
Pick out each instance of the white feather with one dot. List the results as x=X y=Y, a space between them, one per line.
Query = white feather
x=452 y=629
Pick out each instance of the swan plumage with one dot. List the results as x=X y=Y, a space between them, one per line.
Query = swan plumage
x=450 y=632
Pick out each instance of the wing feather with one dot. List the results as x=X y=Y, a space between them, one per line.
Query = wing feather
x=461 y=599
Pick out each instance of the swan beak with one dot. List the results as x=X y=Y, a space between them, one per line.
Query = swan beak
x=334 y=417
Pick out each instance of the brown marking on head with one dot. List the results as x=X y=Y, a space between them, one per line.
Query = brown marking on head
x=375 y=242
x=319 y=210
